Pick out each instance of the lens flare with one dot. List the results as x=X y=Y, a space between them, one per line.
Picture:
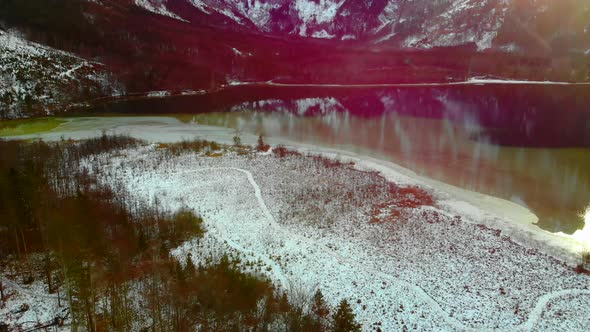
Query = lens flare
x=583 y=235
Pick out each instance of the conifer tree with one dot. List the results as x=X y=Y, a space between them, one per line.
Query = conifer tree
x=344 y=319
x=189 y=267
x=318 y=319
x=318 y=305
x=262 y=146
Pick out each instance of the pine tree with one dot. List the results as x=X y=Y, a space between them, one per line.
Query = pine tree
x=344 y=320
x=179 y=272
x=284 y=306
x=189 y=267
x=318 y=319
x=318 y=305
x=237 y=140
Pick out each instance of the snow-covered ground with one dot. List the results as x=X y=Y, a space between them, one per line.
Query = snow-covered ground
x=157 y=7
x=307 y=225
x=30 y=306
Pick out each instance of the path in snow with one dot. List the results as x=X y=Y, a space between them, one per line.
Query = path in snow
x=69 y=72
x=528 y=325
x=18 y=288
x=276 y=268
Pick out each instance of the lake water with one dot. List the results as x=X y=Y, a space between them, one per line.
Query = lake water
x=526 y=143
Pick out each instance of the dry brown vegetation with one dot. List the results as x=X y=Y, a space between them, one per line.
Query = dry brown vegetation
x=584 y=266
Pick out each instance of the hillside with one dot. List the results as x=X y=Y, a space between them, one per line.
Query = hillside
x=40 y=80
x=511 y=25
x=154 y=45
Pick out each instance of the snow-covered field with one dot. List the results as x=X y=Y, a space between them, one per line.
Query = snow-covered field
x=307 y=224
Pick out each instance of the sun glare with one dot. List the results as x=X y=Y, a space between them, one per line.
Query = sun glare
x=583 y=235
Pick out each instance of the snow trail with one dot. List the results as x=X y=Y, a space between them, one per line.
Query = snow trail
x=18 y=288
x=258 y=194
x=69 y=72
x=473 y=81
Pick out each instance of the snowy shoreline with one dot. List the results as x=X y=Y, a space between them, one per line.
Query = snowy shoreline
x=510 y=217
x=513 y=219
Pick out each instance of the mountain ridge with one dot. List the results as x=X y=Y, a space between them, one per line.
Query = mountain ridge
x=421 y=24
x=155 y=45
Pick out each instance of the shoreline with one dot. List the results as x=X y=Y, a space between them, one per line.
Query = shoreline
x=513 y=219
x=81 y=105
x=502 y=214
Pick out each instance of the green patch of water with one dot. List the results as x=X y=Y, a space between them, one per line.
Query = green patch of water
x=28 y=126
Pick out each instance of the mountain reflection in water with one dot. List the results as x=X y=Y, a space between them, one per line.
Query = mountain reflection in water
x=525 y=143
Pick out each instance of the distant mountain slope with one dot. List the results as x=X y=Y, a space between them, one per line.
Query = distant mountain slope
x=400 y=23
x=518 y=24
x=38 y=80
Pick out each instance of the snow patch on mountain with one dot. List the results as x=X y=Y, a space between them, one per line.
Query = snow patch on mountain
x=388 y=17
x=200 y=5
x=322 y=35
x=425 y=24
x=258 y=12
x=322 y=11
x=316 y=12
x=255 y=12
x=158 y=7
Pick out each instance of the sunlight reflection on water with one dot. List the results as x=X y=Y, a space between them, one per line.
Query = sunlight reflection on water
x=583 y=235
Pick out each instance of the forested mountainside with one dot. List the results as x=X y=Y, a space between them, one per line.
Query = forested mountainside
x=153 y=45
x=40 y=80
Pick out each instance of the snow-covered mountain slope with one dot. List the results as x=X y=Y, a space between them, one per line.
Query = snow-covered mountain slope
x=417 y=23
x=38 y=80
x=157 y=7
x=395 y=23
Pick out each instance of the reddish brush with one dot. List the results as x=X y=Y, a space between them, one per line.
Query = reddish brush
x=263 y=148
x=402 y=199
x=283 y=152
